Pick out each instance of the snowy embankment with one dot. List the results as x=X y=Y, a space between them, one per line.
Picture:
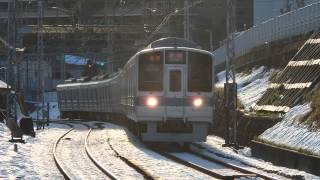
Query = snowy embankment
x=250 y=86
x=33 y=160
x=291 y=132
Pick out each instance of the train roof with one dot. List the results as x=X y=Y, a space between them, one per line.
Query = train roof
x=88 y=83
x=173 y=42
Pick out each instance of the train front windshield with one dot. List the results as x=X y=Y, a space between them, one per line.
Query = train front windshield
x=151 y=71
x=199 y=72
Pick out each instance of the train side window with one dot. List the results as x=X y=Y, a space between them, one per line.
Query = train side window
x=175 y=80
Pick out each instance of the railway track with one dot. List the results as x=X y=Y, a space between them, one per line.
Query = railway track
x=93 y=159
x=231 y=166
x=230 y=171
x=255 y=169
x=79 y=162
x=215 y=168
x=57 y=161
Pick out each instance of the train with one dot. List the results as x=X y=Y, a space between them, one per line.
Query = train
x=164 y=93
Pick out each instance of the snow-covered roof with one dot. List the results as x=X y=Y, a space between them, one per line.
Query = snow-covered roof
x=3 y=84
x=78 y=60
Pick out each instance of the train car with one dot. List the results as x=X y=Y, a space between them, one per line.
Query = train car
x=164 y=92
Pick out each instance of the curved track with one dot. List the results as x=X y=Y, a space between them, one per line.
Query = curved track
x=55 y=157
x=233 y=171
x=69 y=165
x=104 y=170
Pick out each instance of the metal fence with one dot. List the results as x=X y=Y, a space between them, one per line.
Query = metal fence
x=293 y=23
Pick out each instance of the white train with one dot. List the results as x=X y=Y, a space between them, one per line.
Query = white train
x=164 y=93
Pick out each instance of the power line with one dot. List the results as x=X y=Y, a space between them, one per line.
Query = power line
x=168 y=16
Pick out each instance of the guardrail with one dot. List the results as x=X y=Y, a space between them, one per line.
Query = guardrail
x=293 y=23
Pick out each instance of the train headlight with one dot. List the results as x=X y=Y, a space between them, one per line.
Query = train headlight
x=152 y=102
x=197 y=102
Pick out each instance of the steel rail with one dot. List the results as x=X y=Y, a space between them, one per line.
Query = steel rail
x=61 y=169
x=235 y=167
x=104 y=170
x=130 y=163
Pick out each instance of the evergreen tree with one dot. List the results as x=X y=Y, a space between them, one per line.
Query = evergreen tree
x=90 y=69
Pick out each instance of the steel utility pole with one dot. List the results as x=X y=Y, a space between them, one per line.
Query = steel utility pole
x=40 y=88
x=11 y=53
x=230 y=88
x=187 y=20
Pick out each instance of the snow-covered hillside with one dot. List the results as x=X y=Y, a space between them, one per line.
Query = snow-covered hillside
x=291 y=132
x=251 y=86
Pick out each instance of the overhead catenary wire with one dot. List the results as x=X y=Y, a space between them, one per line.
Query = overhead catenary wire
x=7 y=45
x=167 y=17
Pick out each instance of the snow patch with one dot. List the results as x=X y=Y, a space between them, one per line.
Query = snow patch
x=291 y=132
x=3 y=84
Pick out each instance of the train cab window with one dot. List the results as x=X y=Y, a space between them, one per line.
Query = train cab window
x=175 y=81
x=199 y=72
x=151 y=71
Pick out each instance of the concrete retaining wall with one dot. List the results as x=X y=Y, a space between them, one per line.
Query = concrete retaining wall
x=287 y=158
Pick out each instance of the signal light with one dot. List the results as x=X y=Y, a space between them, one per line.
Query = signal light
x=197 y=102
x=152 y=102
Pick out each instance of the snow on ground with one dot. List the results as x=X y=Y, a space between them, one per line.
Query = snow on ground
x=291 y=132
x=213 y=147
x=33 y=159
x=250 y=86
x=129 y=146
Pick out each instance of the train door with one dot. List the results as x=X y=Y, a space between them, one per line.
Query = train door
x=175 y=91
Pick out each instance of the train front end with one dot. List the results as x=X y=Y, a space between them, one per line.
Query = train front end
x=175 y=94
